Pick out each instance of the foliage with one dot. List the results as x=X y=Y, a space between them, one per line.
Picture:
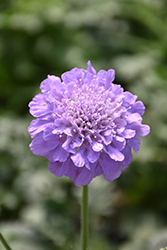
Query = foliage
x=39 y=211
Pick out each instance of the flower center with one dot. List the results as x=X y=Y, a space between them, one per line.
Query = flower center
x=91 y=108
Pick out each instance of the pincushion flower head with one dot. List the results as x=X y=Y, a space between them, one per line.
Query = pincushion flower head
x=86 y=125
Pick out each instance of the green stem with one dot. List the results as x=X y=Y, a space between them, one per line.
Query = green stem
x=4 y=243
x=84 y=218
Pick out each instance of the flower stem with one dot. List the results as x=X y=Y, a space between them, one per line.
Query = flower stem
x=4 y=243
x=84 y=218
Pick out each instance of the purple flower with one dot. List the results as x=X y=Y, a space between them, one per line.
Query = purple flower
x=86 y=126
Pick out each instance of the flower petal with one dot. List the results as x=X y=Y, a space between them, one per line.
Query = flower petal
x=128 y=157
x=108 y=165
x=107 y=137
x=114 y=153
x=38 y=126
x=97 y=146
x=128 y=133
x=91 y=69
x=60 y=154
x=129 y=98
x=112 y=176
x=48 y=133
x=50 y=83
x=68 y=168
x=134 y=143
x=55 y=167
x=98 y=170
x=119 y=142
x=142 y=130
x=39 y=146
x=110 y=76
x=92 y=155
x=83 y=177
x=79 y=158
x=133 y=117
x=66 y=145
x=137 y=107
x=38 y=106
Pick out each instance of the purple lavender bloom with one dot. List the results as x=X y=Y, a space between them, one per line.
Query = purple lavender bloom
x=86 y=126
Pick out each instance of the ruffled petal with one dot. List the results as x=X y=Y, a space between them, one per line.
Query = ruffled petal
x=83 y=177
x=76 y=142
x=137 y=107
x=67 y=145
x=97 y=169
x=60 y=154
x=38 y=106
x=133 y=117
x=107 y=137
x=38 y=126
x=92 y=155
x=39 y=146
x=110 y=76
x=142 y=130
x=128 y=157
x=52 y=82
x=97 y=146
x=79 y=158
x=134 y=143
x=73 y=75
x=112 y=176
x=129 y=99
x=48 y=133
x=55 y=167
x=91 y=69
x=114 y=153
x=108 y=165
x=128 y=133
x=119 y=142
x=68 y=168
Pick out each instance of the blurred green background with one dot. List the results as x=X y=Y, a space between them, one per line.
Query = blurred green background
x=37 y=210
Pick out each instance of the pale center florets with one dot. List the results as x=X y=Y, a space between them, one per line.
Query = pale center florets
x=91 y=108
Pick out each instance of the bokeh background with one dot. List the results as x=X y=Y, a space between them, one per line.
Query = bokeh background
x=37 y=210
